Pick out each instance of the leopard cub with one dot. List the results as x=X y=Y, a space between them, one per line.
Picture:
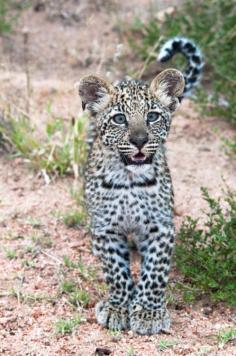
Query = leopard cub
x=128 y=187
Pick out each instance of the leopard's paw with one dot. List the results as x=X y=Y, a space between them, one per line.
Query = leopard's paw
x=113 y=317
x=147 y=322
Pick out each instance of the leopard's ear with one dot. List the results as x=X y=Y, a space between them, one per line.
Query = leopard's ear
x=95 y=93
x=168 y=87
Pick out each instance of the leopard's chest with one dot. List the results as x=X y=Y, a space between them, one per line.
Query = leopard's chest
x=128 y=201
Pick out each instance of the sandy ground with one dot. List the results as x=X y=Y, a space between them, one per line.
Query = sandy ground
x=61 y=48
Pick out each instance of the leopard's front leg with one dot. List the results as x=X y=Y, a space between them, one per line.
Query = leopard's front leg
x=112 y=248
x=148 y=313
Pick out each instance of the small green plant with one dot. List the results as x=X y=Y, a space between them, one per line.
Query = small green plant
x=75 y=218
x=35 y=223
x=165 y=344
x=26 y=263
x=11 y=253
x=115 y=334
x=204 y=350
x=101 y=289
x=66 y=326
x=69 y=263
x=67 y=286
x=42 y=241
x=230 y=145
x=30 y=298
x=189 y=295
x=226 y=336
x=131 y=351
x=32 y=249
x=77 y=193
x=206 y=256
x=80 y=297
x=86 y=272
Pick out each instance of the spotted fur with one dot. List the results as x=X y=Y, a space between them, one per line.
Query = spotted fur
x=192 y=53
x=129 y=192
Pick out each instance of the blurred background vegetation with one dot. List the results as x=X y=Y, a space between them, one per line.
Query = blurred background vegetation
x=9 y=11
x=212 y=25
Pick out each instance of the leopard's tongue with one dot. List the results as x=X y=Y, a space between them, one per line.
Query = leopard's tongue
x=139 y=157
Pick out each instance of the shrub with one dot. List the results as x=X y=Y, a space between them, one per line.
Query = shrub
x=212 y=25
x=206 y=256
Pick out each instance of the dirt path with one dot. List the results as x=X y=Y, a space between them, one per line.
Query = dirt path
x=33 y=237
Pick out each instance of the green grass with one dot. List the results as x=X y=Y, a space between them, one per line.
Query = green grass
x=35 y=223
x=78 y=216
x=131 y=351
x=66 y=326
x=60 y=151
x=165 y=344
x=79 y=298
x=75 y=218
x=212 y=25
x=101 y=289
x=28 y=264
x=116 y=335
x=42 y=241
x=204 y=350
x=77 y=193
x=67 y=286
x=69 y=263
x=7 y=18
x=11 y=254
x=206 y=256
x=31 y=298
x=32 y=249
x=225 y=336
x=230 y=146
x=86 y=272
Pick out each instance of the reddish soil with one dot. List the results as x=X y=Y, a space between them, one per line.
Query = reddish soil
x=34 y=240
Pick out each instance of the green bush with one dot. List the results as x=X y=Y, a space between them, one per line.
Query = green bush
x=212 y=25
x=206 y=256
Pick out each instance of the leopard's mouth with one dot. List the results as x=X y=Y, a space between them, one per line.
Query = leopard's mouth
x=137 y=159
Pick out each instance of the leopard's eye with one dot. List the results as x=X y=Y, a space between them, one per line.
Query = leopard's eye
x=119 y=119
x=153 y=117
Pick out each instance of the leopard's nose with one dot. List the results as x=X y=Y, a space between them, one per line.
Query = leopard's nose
x=139 y=140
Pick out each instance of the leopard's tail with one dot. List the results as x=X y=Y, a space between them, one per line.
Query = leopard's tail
x=191 y=52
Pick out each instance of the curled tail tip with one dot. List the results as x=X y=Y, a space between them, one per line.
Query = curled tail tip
x=182 y=45
x=191 y=52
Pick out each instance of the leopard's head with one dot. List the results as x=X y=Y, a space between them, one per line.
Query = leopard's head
x=133 y=118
